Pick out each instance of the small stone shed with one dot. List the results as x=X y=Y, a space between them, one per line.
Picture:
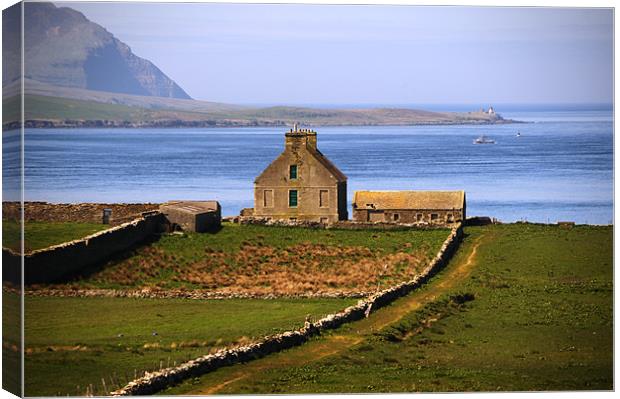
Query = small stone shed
x=424 y=207
x=196 y=216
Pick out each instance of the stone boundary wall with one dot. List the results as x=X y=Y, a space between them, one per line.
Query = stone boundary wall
x=183 y=294
x=159 y=380
x=53 y=263
x=341 y=225
x=35 y=211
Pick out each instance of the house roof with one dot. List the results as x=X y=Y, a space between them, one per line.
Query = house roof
x=409 y=199
x=316 y=154
x=340 y=177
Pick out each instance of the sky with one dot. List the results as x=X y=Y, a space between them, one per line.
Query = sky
x=335 y=54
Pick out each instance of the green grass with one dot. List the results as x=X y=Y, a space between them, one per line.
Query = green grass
x=55 y=327
x=54 y=108
x=41 y=107
x=11 y=340
x=232 y=236
x=260 y=258
x=39 y=235
x=189 y=247
x=541 y=319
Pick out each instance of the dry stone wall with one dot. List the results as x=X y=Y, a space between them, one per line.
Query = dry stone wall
x=159 y=380
x=198 y=294
x=83 y=212
x=340 y=225
x=56 y=262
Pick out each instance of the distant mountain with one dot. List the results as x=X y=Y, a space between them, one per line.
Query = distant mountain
x=63 y=48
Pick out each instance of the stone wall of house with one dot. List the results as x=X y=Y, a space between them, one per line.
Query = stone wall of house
x=61 y=261
x=419 y=216
x=156 y=381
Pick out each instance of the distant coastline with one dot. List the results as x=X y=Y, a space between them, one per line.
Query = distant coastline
x=58 y=124
x=89 y=109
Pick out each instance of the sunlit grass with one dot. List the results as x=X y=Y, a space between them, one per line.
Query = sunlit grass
x=79 y=341
x=38 y=235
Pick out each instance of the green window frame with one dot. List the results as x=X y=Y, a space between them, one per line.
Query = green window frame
x=292 y=172
x=292 y=198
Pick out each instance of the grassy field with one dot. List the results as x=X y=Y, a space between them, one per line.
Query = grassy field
x=534 y=313
x=272 y=260
x=73 y=342
x=11 y=342
x=39 y=235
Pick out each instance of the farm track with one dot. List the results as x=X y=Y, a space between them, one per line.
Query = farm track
x=456 y=272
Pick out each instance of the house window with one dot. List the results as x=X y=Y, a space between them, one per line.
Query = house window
x=450 y=218
x=292 y=198
x=292 y=172
x=396 y=216
x=418 y=217
x=434 y=217
x=268 y=198
x=324 y=198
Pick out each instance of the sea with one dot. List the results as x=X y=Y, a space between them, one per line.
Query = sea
x=555 y=166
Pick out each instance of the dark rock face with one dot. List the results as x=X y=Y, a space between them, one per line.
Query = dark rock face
x=106 y=61
x=63 y=48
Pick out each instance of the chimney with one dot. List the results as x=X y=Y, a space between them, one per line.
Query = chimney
x=311 y=139
x=295 y=138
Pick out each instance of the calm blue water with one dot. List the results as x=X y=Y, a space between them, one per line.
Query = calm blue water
x=561 y=168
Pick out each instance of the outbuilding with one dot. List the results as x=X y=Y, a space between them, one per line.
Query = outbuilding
x=196 y=216
x=423 y=207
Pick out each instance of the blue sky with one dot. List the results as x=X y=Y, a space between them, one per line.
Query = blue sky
x=330 y=54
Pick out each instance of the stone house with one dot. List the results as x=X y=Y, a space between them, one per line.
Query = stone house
x=301 y=184
x=427 y=207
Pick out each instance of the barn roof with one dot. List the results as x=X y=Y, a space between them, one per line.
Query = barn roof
x=409 y=199
x=193 y=207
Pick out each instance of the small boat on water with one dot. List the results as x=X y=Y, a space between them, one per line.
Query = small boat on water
x=484 y=140
x=518 y=134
